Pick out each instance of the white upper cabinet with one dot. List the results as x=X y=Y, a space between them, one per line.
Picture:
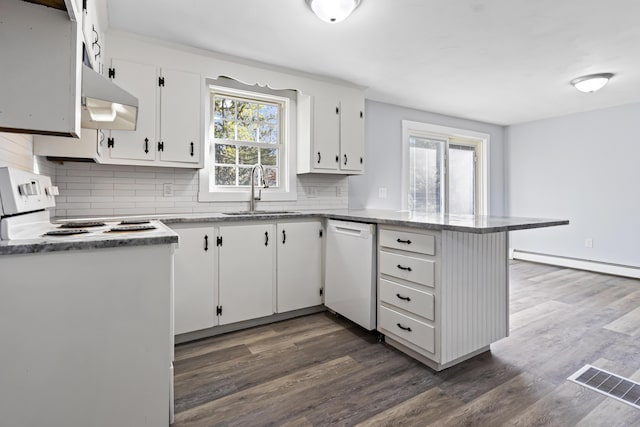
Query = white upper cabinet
x=41 y=70
x=326 y=132
x=352 y=133
x=180 y=117
x=331 y=132
x=140 y=144
x=93 y=28
x=169 y=126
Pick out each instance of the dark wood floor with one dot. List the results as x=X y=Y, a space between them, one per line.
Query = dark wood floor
x=322 y=370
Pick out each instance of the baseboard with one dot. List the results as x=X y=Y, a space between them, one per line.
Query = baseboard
x=219 y=330
x=579 y=264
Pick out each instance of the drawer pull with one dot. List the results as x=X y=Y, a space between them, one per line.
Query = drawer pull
x=404 y=328
x=408 y=242
x=404 y=268
x=403 y=298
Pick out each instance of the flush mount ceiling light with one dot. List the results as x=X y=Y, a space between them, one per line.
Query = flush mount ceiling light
x=333 y=11
x=592 y=82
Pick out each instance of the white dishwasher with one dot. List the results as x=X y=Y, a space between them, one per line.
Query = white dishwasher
x=350 y=271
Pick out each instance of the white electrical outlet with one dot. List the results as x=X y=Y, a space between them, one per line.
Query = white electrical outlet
x=588 y=242
x=382 y=192
x=167 y=190
x=338 y=191
x=312 y=192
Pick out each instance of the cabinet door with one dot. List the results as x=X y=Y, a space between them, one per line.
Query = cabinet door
x=246 y=270
x=326 y=132
x=194 y=279
x=180 y=116
x=299 y=265
x=41 y=66
x=141 y=80
x=352 y=133
x=93 y=33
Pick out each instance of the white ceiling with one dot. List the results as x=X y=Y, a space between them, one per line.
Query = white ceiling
x=497 y=61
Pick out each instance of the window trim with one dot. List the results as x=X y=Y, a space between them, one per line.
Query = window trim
x=428 y=130
x=287 y=190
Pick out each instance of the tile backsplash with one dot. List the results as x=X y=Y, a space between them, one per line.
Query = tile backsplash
x=90 y=189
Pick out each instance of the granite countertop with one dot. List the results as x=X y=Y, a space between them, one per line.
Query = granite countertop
x=468 y=224
x=161 y=235
x=164 y=235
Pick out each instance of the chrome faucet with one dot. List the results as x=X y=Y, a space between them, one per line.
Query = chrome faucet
x=252 y=200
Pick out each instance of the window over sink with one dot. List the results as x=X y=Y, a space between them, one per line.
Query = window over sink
x=248 y=125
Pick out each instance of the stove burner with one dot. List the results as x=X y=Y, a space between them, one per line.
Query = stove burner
x=65 y=232
x=134 y=222
x=129 y=228
x=83 y=224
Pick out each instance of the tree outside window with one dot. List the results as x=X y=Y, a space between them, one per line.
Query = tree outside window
x=245 y=132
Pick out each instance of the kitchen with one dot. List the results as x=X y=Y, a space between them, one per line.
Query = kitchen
x=170 y=184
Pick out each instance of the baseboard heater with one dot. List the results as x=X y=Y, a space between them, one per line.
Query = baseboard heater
x=579 y=264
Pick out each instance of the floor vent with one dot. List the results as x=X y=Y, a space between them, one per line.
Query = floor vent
x=609 y=384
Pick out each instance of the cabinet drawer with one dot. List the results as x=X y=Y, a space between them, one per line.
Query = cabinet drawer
x=413 y=242
x=408 y=268
x=415 y=301
x=410 y=329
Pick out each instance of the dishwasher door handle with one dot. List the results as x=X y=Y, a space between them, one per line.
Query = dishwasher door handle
x=350 y=231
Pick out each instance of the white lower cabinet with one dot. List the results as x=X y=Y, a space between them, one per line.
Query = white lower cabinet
x=195 y=296
x=408 y=288
x=442 y=295
x=299 y=264
x=245 y=271
x=408 y=328
x=232 y=273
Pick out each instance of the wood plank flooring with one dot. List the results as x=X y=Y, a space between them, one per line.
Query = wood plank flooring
x=322 y=370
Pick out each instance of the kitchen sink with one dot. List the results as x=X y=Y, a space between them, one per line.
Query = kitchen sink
x=259 y=213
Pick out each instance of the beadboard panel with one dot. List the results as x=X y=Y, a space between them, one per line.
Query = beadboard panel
x=474 y=292
x=90 y=189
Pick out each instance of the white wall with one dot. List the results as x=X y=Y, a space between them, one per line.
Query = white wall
x=583 y=167
x=383 y=136
x=16 y=151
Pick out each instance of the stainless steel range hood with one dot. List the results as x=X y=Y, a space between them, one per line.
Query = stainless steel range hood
x=105 y=105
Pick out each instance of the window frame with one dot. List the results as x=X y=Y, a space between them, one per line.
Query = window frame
x=287 y=155
x=451 y=136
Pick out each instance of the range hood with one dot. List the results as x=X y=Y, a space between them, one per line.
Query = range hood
x=105 y=105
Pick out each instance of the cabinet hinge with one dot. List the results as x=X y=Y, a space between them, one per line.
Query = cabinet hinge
x=112 y=73
x=219 y=310
x=320 y=233
x=161 y=81
x=321 y=291
x=110 y=142
x=160 y=146
x=219 y=241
